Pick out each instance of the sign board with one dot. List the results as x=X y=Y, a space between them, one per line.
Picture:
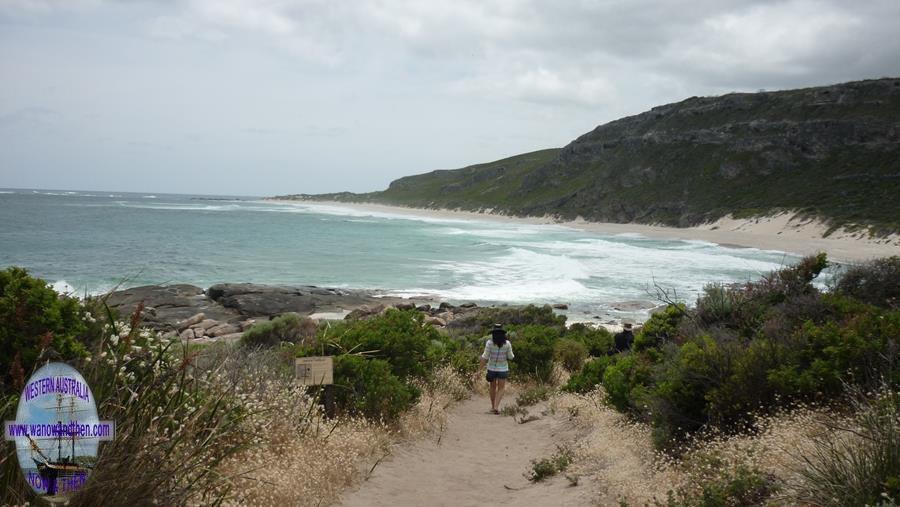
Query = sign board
x=314 y=371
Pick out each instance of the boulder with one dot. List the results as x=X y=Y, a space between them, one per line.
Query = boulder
x=187 y=334
x=561 y=306
x=190 y=321
x=199 y=332
x=223 y=329
x=209 y=323
x=436 y=321
x=424 y=308
x=468 y=305
x=229 y=338
x=167 y=305
x=405 y=306
x=364 y=312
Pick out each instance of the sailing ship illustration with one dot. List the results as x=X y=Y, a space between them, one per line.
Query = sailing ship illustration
x=70 y=468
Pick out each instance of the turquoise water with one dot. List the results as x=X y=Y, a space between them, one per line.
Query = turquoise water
x=92 y=241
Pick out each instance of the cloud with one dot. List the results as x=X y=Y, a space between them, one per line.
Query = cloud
x=27 y=117
x=44 y=6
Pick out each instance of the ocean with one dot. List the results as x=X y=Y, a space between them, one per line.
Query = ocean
x=89 y=242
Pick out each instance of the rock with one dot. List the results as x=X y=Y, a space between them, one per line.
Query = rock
x=445 y=306
x=255 y=299
x=199 y=332
x=169 y=335
x=209 y=323
x=247 y=324
x=167 y=305
x=468 y=305
x=229 y=338
x=561 y=306
x=436 y=321
x=424 y=308
x=190 y=321
x=187 y=334
x=405 y=306
x=223 y=329
x=364 y=311
x=446 y=316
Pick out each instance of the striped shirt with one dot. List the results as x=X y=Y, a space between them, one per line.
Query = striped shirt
x=497 y=357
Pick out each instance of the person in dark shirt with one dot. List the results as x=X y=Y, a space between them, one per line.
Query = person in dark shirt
x=624 y=339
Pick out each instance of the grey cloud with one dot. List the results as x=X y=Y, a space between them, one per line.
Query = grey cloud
x=27 y=117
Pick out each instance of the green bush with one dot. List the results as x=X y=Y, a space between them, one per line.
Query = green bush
x=661 y=328
x=571 y=354
x=33 y=317
x=740 y=487
x=533 y=396
x=597 y=340
x=367 y=387
x=401 y=338
x=876 y=282
x=533 y=348
x=626 y=381
x=548 y=467
x=591 y=374
x=480 y=322
x=287 y=328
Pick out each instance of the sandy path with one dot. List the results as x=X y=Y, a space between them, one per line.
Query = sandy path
x=481 y=460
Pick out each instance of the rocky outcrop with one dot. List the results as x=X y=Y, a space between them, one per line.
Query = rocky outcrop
x=254 y=299
x=230 y=308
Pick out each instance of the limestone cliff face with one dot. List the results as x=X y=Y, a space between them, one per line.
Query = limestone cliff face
x=832 y=152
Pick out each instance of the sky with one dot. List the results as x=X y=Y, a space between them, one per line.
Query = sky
x=266 y=97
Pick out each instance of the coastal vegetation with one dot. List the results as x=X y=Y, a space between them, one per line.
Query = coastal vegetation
x=829 y=153
x=779 y=390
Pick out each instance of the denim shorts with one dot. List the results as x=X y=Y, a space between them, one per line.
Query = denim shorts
x=491 y=375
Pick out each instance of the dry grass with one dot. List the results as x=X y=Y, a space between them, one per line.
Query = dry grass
x=302 y=458
x=620 y=457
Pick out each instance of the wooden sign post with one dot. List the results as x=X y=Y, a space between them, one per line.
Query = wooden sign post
x=317 y=371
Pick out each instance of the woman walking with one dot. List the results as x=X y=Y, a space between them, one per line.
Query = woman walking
x=497 y=353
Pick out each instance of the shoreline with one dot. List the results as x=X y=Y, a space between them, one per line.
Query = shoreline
x=783 y=232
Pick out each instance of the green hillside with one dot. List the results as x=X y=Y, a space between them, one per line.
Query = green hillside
x=832 y=152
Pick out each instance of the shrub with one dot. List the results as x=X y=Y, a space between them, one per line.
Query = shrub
x=597 y=340
x=288 y=328
x=401 y=338
x=626 y=382
x=548 y=467
x=533 y=396
x=590 y=376
x=571 y=354
x=742 y=486
x=876 y=282
x=533 y=348
x=481 y=321
x=33 y=318
x=660 y=328
x=367 y=387
x=859 y=463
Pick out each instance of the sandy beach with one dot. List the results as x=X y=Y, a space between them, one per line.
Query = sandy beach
x=783 y=232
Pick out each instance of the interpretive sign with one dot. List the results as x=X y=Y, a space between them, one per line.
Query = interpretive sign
x=314 y=371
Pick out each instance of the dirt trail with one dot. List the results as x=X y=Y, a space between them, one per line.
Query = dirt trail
x=481 y=459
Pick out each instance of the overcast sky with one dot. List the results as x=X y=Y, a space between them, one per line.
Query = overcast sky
x=261 y=97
